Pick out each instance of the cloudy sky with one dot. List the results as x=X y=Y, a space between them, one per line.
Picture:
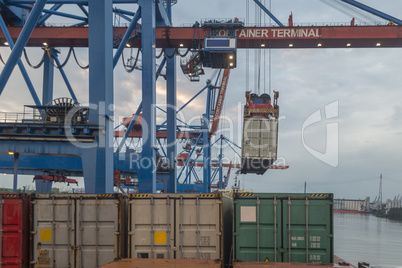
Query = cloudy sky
x=365 y=84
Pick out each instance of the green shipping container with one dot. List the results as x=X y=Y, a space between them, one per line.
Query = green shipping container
x=283 y=227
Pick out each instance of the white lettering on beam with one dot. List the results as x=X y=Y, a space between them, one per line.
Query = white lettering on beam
x=278 y=33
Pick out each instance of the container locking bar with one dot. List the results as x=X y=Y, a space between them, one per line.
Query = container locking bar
x=306 y=203
x=181 y=227
x=1 y=227
x=198 y=227
x=152 y=227
x=168 y=227
x=275 y=203
x=289 y=231
x=258 y=227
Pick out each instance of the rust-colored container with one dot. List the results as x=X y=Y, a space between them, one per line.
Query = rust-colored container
x=14 y=230
x=167 y=263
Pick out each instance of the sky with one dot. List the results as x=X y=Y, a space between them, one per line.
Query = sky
x=363 y=85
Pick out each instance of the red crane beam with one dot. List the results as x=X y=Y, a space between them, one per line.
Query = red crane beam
x=159 y=135
x=248 y=37
x=219 y=101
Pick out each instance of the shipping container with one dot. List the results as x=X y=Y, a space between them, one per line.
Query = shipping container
x=166 y=263
x=283 y=227
x=250 y=264
x=259 y=145
x=179 y=226
x=15 y=230
x=77 y=230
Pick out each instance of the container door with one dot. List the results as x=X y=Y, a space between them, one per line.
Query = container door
x=54 y=231
x=251 y=138
x=198 y=231
x=151 y=227
x=309 y=223
x=257 y=229
x=98 y=229
x=11 y=236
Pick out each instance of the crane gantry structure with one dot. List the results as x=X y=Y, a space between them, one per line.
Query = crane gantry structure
x=78 y=140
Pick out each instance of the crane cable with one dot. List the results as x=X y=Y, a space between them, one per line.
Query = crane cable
x=347 y=9
x=247 y=50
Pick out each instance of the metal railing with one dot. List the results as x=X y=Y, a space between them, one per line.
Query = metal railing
x=48 y=115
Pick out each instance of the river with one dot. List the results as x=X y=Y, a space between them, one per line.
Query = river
x=360 y=237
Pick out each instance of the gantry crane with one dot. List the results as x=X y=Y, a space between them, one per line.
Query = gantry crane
x=41 y=146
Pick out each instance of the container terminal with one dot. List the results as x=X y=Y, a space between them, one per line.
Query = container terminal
x=165 y=214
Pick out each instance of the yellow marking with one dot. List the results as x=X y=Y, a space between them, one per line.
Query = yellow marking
x=207 y=195
x=266 y=259
x=246 y=194
x=106 y=195
x=319 y=195
x=142 y=195
x=160 y=238
x=45 y=235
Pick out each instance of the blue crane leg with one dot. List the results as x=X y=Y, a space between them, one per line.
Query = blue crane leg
x=48 y=77
x=206 y=157
x=147 y=174
x=21 y=42
x=45 y=187
x=98 y=161
x=171 y=120
x=15 y=183
x=20 y=64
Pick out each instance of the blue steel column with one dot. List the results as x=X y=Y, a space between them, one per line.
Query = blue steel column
x=44 y=187
x=171 y=100
x=206 y=156
x=171 y=120
x=220 y=165
x=20 y=64
x=147 y=173
x=98 y=161
x=48 y=75
x=16 y=156
x=21 y=42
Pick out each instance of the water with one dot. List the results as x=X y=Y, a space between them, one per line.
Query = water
x=366 y=238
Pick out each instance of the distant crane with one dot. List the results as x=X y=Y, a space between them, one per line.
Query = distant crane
x=379 y=201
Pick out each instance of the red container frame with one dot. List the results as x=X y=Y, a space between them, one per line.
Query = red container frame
x=14 y=230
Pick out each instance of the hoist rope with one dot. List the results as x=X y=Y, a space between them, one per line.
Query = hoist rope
x=247 y=50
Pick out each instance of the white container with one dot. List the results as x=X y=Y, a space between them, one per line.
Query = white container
x=77 y=230
x=179 y=226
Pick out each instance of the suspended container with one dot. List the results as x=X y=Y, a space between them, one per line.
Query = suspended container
x=77 y=230
x=283 y=228
x=14 y=230
x=260 y=133
x=179 y=226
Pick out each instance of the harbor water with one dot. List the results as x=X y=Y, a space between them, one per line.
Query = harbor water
x=360 y=237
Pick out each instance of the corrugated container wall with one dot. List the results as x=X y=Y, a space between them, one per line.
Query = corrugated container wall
x=283 y=228
x=77 y=230
x=15 y=230
x=260 y=138
x=180 y=226
x=259 y=144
